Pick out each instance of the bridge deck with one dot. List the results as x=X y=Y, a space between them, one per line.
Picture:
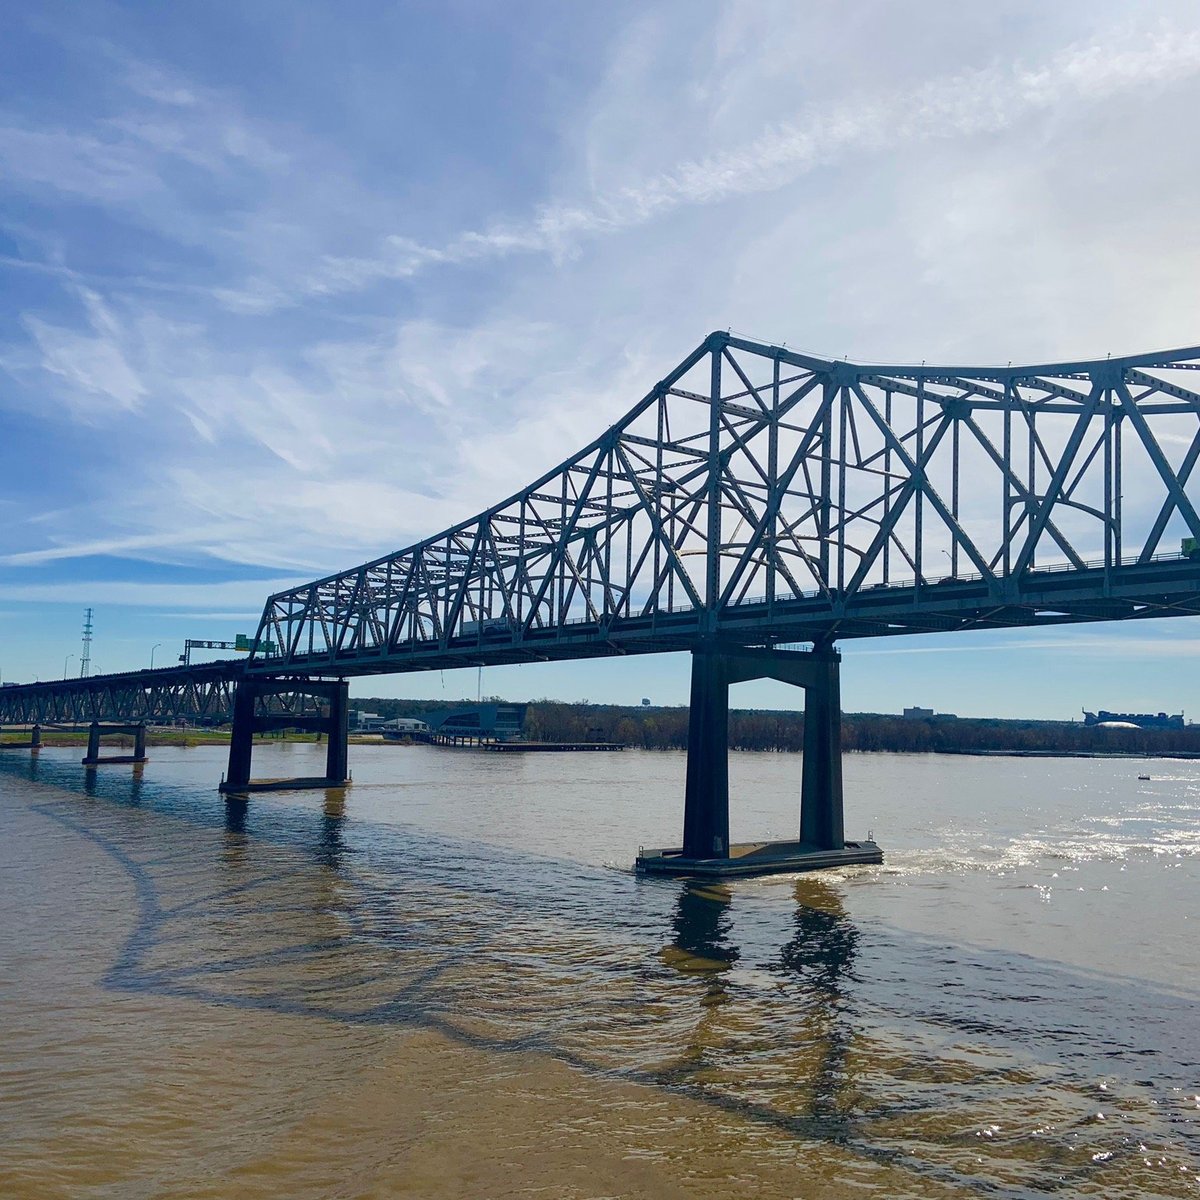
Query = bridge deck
x=1168 y=586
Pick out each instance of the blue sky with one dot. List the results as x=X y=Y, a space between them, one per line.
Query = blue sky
x=286 y=286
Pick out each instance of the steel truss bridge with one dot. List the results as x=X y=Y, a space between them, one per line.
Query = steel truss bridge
x=755 y=497
x=763 y=496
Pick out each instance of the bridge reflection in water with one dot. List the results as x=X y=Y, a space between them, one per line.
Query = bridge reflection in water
x=819 y=957
x=774 y=1029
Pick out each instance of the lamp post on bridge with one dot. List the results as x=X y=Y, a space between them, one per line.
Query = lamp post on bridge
x=65 y=661
x=152 y=650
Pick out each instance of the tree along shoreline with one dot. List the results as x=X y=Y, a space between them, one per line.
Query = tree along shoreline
x=651 y=728
x=756 y=730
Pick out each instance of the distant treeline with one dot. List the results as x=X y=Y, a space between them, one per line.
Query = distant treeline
x=667 y=729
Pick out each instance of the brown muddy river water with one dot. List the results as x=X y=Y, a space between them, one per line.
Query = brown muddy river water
x=444 y=982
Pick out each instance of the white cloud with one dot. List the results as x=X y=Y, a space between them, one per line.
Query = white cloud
x=108 y=546
x=353 y=448
x=128 y=159
x=92 y=363
x=969 y=104
x=242 y=595
x=895 y=209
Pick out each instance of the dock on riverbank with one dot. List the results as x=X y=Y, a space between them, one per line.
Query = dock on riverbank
x=543 y=747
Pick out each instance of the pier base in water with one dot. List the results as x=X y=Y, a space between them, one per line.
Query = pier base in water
x=757 y=858
x=34 y=743
x=253 y=713
x=706 y=852
x=97 y=730
x=283 y=785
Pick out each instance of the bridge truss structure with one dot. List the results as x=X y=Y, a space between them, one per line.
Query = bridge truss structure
x=201 y=695
x=761 y=496
x=754 y=498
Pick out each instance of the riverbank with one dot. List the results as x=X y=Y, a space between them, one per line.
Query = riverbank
x=582 y=726
x=658 y=728
x=1183 y=755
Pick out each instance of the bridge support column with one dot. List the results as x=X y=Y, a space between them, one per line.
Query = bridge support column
x=34 y=743
x=821 y=817
x=706 y=851
x=321 y=706
x=338 y=733
x=241 y=738
x=97 y=730
x=706 y=798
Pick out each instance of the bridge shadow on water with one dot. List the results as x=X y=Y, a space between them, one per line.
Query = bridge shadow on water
x=767 y=1001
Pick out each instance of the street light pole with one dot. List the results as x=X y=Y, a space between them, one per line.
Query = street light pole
x=152 y=650
x=65 y=661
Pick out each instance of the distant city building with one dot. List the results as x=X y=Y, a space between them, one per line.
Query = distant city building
x=927 y=714
x=1118 y=720
x=405 y=725
x=365 y=722
x=404 y=729
x=479 y=723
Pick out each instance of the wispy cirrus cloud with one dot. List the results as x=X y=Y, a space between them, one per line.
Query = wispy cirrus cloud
x=129 y=158
x=91 y=362
x=119 y=546
x=276 y=320
x=962 y=105
x=233 y=595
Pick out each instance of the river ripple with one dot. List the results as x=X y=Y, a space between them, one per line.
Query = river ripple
x=445 y=982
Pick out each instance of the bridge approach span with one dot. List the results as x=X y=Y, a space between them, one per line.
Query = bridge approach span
x=200 y=694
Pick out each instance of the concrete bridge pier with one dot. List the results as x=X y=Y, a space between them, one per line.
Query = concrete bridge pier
x=706 y=851
x=34 y=743
x=822 y=822
x=252 y=714
x=706 y=793
x=97 y=730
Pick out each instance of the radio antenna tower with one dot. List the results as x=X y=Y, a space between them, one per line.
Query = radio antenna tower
x=85 y=662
